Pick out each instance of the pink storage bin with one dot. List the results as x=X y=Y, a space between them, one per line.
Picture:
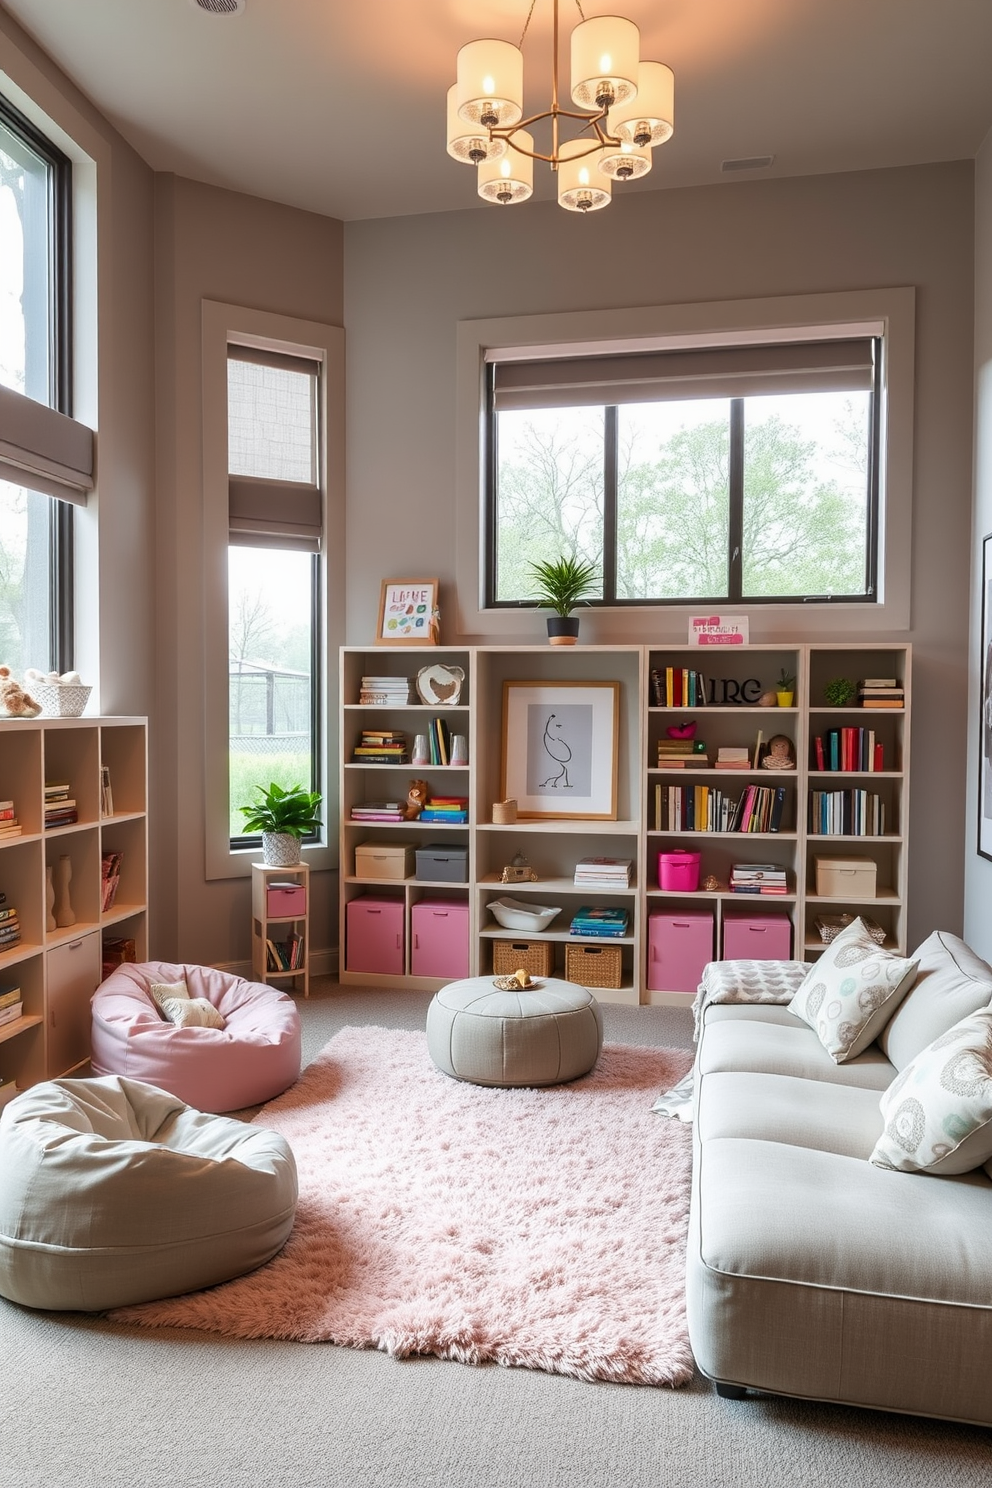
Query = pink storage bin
x=439 y=939
x=679 y=946
x=282 y=900
x=678 y=871
x=757 y=937
x=374 y=936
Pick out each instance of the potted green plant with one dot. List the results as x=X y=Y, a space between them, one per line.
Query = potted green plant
x=785 y=688
x=561 y=585
x=282 y=817
x=840 y=692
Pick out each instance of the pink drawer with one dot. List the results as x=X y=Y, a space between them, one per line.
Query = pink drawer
x=282 y=900
x=439 y=931
x=679 y=946
x=374 y=936
x=754 y=937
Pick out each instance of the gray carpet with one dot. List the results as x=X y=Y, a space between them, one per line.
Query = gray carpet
x=90 y=1405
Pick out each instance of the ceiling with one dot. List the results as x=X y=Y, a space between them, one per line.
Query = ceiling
x=341 y=109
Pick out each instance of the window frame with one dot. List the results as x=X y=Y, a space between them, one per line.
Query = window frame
x=222 y=324
x=736 y=482
x=889 y=310
x=61 y=568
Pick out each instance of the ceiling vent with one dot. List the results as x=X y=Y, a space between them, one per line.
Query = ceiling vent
x=219 y=7
x=747 y=162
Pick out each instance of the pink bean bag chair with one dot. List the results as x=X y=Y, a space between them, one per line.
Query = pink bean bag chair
x=254 y=1057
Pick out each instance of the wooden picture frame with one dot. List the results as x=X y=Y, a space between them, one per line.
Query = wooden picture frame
x=560 y=749
x=408 y=613
x=985 y=710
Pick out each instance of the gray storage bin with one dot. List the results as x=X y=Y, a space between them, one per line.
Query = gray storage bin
x=443 y=862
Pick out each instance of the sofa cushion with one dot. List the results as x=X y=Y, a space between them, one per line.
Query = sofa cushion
x=852 y=991
x=780 y=1049
x=781 y=1108
x=938 y=1111
x=951 y=983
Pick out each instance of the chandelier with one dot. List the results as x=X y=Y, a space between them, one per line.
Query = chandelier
x=624 y=107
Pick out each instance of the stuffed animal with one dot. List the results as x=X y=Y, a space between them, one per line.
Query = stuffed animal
x=34 y=678
x=416 y=799
x=14 y=701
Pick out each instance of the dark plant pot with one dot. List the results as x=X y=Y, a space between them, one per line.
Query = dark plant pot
x=563 y=630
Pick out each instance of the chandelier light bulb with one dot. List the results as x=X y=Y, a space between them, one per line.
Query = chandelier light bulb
x=490 y=85
x=469 y=142
x=511 y=178
x=605 y=53
x=625 y=162
x=648 y=118
x=581 y=185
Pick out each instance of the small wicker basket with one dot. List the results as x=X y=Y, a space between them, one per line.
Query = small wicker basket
x=61 y=700
x=593 y=966
x=504 y=813
x=830 y=926
x=534 y=956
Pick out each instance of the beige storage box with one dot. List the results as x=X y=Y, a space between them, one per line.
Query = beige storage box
x=384 y=860
x=845 y=878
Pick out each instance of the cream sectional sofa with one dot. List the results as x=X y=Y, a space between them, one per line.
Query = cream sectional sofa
x=810 y=1271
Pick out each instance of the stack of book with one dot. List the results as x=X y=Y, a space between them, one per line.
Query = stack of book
x=677 y=687
x=117 y=952
x=379 y=811
x=390 y=692
x=846 y=813
x=450 y=809
x=9 y=825
x=285 y=955
x=11 y=1006
x=603 y=873
x=730 y=757
x=60 y=809
x=881 y=692
x=674 y=754
x=381 y=747
x=758 y=878
x=848 y=749
x=590 y=920
x=703 y=808
x=439 y=741
x=110 y=877
x=10 y=925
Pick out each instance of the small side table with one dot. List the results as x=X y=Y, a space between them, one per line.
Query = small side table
x=280 y=932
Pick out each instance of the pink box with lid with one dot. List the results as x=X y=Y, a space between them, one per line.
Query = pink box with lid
x=285 y=899
x=374 y=935
x=439 y=939
x=757 y=937
x=679 y=945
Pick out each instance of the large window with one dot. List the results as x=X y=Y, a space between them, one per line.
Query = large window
x=275 y=511
x=35 y=361
x=735 y=474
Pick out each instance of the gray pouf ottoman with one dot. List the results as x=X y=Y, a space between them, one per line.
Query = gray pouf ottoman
x=539 y=1036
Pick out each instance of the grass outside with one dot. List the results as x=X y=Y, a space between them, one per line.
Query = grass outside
x=249 y=770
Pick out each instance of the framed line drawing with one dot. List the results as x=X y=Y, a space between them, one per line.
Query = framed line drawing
x=408 y=613
x=985 y=720
x=560 y=749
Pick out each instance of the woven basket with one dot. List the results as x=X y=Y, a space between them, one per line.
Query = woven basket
x=593 y=966
x=61 y=700
x=534 y=956
x=830 y=926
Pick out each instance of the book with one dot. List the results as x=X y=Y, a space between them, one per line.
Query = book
x=10 y=996
x=757 y=750
x=11 y=1013
x=878 y=702
x=106 y=794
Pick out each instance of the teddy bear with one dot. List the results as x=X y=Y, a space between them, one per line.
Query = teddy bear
x=416 y=799
x=14 y=701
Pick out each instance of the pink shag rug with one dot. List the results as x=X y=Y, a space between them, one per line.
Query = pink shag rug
x=543 y=1229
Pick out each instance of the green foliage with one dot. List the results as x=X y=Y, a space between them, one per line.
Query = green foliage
x=563 y=583
x=840 y=691
x=248 y=771
x=293 y=811
x=786 y=681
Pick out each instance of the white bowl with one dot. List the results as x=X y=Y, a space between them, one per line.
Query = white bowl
x=513 y=915
x=60 y=699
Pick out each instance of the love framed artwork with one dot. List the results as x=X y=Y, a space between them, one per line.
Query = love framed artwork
x=560 y=749
x=408 y=613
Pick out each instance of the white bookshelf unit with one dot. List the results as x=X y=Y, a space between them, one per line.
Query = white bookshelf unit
x=57 y=970
x=554 y=846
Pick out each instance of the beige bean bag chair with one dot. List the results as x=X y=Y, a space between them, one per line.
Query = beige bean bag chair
x=113 y=1192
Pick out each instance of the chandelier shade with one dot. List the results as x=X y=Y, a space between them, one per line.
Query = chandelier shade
x=625 y=162
x=511 y=178
x=581 y=185
x=490 y=83
x=470 y=142
x=605 y=52
x=649 y=117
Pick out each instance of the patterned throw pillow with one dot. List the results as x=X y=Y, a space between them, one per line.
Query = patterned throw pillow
x=852 y=991
x=176 y=1005
x=938 y=1111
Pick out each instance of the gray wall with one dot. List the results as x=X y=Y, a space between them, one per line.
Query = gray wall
x=408 y=281
x=978 y=870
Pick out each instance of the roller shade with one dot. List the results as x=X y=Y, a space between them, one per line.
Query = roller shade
x=267 y=513
x=273 y=497
x=44 y=450
x=717 y=372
